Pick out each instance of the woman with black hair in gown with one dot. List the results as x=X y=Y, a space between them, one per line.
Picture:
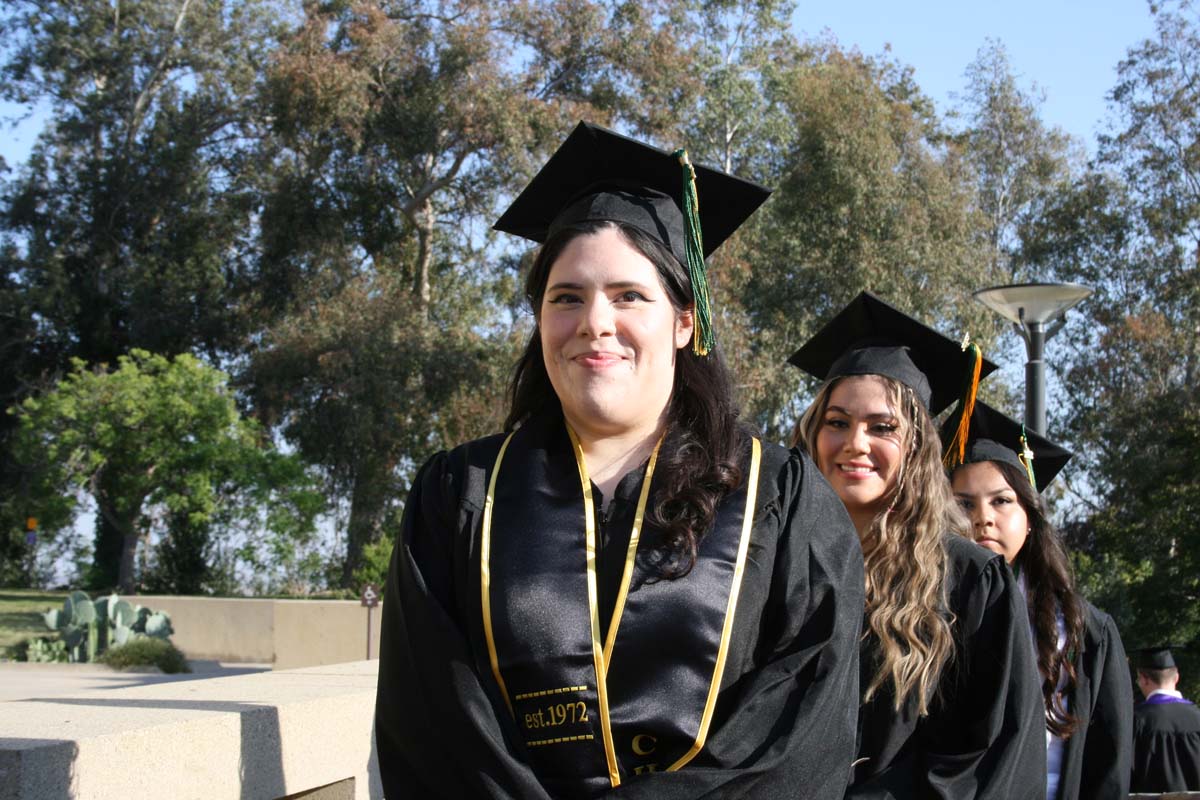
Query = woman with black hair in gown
x=950 y=704
x=625 y=593
x=998 y=478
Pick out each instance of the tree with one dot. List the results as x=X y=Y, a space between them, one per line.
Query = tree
x=1130 y=228
x=128 y=225
x=1018 y=164
x=864 y=199
x=151 y=440
x=399 y=130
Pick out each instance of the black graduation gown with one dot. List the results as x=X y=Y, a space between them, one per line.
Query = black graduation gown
x=782 y=726
x=1097 y=757
x=984 y=734
x=1166 y=746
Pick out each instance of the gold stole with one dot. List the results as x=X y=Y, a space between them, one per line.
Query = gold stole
x=584 y=722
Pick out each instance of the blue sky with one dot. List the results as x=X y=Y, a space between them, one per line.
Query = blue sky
x=1069 y=48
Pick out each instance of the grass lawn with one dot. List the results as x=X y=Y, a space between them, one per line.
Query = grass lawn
x=21 y=614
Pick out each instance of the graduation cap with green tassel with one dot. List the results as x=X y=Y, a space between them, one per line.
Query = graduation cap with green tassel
x=985 y=434
x=600 y=175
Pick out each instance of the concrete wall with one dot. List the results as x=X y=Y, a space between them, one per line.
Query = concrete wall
x=286 y=633
x=223 y=629
x=315 y=632
x=268 y=735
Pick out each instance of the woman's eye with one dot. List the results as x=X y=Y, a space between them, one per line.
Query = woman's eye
x=964 y=504
x=1000 y=501
x=885 y=428
x=835 y=423
x=565 y=298
x=630 y=297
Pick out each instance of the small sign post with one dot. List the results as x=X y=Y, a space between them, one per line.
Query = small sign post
x=370 y=599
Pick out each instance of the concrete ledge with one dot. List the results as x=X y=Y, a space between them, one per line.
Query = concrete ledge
x=305 y=732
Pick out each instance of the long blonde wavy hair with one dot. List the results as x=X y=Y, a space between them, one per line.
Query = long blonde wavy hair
x=903 y=551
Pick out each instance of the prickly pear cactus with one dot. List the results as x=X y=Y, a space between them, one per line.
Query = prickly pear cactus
x=88 y=627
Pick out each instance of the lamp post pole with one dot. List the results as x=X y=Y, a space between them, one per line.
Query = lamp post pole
x=1035 y=378
x=1037 y=312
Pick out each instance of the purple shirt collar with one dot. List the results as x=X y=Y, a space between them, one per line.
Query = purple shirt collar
x=1164 y=699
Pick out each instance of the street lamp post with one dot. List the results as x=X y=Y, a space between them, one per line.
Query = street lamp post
x=1037 y=312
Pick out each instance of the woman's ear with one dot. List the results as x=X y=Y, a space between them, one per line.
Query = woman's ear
x=685 y=326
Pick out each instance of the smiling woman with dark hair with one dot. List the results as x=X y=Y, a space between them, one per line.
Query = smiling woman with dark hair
x=626 y=592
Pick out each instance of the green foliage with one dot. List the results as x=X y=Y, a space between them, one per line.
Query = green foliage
x=377 y=557
x=127 y=226
x=146 y=652
x=155 y=437
x=42 y=650
x=1019 y=165
x=1129 y=229
x=865 y=198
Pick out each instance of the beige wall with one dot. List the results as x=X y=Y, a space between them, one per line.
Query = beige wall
x=286 y=633
x=309 y=633
x=223 y=629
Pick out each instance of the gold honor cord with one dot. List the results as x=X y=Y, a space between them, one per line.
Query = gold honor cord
x=630 y=558
x=730 y=609
x=485 y=574
x=610 y=753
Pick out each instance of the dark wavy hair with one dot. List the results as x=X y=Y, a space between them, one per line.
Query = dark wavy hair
x=700 y=458
x=1049 y=586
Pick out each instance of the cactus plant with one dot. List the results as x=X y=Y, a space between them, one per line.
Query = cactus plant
x=87 y=628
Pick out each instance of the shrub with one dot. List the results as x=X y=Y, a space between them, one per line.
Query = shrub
x=146 y=651
x=377 y=557
x=43 y=649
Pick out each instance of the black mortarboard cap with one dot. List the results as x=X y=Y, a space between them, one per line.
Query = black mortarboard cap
x=1153 y=658
x=872 y=337
x=597 y=174
x=995 y=436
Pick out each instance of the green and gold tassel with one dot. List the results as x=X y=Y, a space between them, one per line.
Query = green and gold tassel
x=703 y=339
x=1026 y=459
x=956 y=451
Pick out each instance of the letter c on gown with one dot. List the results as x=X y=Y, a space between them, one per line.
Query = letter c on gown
x=644 y=744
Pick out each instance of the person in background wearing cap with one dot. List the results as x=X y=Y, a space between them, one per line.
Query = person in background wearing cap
x=950 y=702
x=998 y=471
x=1166 y=728
x=625 y=592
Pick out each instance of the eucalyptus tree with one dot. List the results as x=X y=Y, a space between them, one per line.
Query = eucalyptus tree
x=1131 y=229
x=131 y=222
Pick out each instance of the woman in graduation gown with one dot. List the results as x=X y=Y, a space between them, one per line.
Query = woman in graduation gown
x=950 y=702
x=998 y=475
x=625 y=593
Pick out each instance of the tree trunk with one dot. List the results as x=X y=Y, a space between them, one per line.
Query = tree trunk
x=129 y=543
x=106 y=554
x=425 y=220
x=368 y=501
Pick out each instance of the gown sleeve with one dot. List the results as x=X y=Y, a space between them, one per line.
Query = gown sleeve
x=1108 y=748
x=786 y=726
x=987 y=739
x=436 y=730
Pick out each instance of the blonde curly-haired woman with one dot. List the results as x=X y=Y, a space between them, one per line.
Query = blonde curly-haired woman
x=950 y=704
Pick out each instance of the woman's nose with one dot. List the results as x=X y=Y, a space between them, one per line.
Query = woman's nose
x=597 y=319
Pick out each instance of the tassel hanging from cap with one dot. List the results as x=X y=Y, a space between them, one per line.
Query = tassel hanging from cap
x=703 y=339
x=1026 y=458
x=956 y=451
